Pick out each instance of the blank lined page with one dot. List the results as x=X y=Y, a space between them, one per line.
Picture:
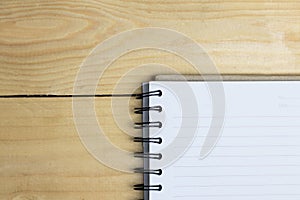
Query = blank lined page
x=256 y=155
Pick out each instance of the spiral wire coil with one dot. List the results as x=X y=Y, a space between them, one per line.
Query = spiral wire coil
x=147 y=141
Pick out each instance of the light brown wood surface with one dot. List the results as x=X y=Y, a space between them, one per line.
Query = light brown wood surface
x=43 y=44
x=42 y=157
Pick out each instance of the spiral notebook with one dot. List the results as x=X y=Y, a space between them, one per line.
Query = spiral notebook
x=231 y=140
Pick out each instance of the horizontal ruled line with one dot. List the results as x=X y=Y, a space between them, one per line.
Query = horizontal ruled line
x=235 y=195
x=248 y=185
x=237 y=175
x=234 y=166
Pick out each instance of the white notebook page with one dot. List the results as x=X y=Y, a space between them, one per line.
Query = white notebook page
x=256 y=157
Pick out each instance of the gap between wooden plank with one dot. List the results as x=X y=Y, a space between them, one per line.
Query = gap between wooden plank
x=65 y=95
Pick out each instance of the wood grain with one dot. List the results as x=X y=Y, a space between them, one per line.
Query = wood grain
x=42 y=156
x=44 y=43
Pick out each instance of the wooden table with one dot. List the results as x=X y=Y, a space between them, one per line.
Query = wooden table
x=43 y=43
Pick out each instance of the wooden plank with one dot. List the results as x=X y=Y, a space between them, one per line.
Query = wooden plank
x=42 y=157
x=43 y=43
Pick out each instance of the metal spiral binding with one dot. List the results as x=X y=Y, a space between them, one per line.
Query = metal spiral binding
x=146 y=141
x=148 y=171
x=149 y=94
x=157 y=156
x=147 y=109
x=140 y=125
x=148 y=187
